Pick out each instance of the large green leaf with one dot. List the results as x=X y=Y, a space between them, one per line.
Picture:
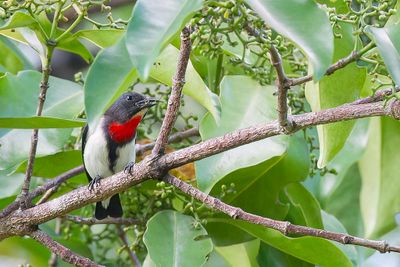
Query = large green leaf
x=164 y=71
x=380 y=199
x=244 y=103
x=341 y=87
x=100 y=37
x=269 y=256
x=172 y=240
x=388 y=42
x=40 y=123
x=64 y=100
x=9 y=59
x=317 y=251
x=152 y=26
x=243 y=255
x=303 y=22
x=106 y=79
x=251 y=184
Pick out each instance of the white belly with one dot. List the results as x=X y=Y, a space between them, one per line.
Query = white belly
x=96 y=155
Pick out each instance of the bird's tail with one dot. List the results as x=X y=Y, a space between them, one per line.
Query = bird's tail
x=111 y=207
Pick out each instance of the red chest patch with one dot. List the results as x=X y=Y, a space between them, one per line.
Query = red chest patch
x=122 y=133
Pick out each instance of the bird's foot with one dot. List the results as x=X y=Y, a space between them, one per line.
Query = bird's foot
x=129 y=167
x=94 y=182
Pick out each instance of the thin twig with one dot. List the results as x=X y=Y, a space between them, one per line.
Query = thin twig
x=53 y=257
x=131 y=253
x=108 y=220
x=174 y=100
x=64 y=253
x=284 y=227
x=282 y=86
x=341 y=63
x=44 y=85
x=175 y=138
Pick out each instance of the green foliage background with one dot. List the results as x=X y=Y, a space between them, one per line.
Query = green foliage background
x=341 y=177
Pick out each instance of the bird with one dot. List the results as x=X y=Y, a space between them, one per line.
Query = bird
x=109 y=146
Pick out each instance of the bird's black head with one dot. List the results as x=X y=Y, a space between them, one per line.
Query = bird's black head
x=128 y=105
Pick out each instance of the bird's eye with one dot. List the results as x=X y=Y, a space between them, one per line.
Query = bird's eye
x=129 y=97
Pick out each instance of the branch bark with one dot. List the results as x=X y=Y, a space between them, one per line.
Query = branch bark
x=174 y=100
x=64 y=253
x=284 y=227
x=108 y=220
x=44 y=85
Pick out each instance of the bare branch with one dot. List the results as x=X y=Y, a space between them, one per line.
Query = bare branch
x=284 y=227
x=64 y=253
x=176 y=93
x=108 y=220
x=44 y=85
x=341 y=63
x=282 y=86
x=175 y=138
x=132 y=255
x=15 y=223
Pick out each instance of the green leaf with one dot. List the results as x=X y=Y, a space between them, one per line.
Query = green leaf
x=164 y=71
x=17 y=20
x=388 y=42
x=9 y=59
x=152 y=27
x=240 y=108
x=303 y=22
x=101 y=37
x=250 y=185
x=269 y=256
x=63 y=100
x=341 y=87
x=380 y=200
x=243 y=255
x=314 y=250
x=172 y=240
x=106 y=80
x=40 y=123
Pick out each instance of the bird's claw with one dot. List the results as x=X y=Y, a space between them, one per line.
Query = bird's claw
x=129 y=167
x=94 y=182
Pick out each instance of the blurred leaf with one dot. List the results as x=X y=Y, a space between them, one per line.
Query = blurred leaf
x=52 y=165
x=106 y=80
x=9 y=59
x=172 y=240
x=388 y=42
x=101 y=37
x=380 y=199
x=269 y=256
x=164 y=70
x=64 y=100
x=6 y=200
x=311 y=249
x=304 y=23
x=16 y=251
x=341 y=87
x=240 y=109
x=40 y=123
x=17 y=20
x=152 y=26
x=243 y=255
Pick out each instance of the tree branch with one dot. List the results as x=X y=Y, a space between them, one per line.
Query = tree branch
x=64 y=253
x=284 y=227
x=282 y=86
x=175 y=138
x=44 y=85
x=132 y=256
x=174 y=100
x=21 y=222
x=108 y=220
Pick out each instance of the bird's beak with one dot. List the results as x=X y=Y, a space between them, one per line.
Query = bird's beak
x=146 y=103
